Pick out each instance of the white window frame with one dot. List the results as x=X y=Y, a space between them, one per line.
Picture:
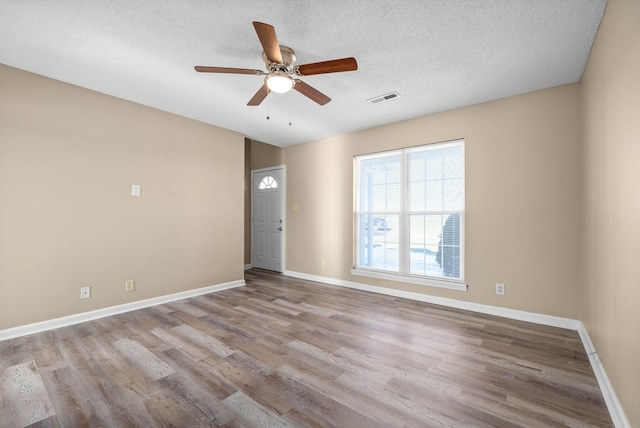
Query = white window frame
x=404 y=214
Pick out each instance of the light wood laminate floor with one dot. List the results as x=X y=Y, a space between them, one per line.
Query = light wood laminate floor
x=285 y=352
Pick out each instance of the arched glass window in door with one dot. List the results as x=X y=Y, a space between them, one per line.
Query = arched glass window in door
x=268 y=183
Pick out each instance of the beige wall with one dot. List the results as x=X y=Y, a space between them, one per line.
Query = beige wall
x=522 y=199
x=265 y=155
x=68 y=158
x=257 y=155
x=611 y=202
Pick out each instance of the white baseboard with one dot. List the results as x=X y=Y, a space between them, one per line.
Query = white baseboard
x=247 y=267
x=550 y=320
x=613 y=405
x=610 y=397
x=38 y=327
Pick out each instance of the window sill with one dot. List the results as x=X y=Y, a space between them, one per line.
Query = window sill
x=431 y=282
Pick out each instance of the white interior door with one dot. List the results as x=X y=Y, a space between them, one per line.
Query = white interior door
x=267 y=218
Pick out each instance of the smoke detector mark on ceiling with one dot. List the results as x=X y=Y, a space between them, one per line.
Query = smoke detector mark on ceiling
x=385 y=97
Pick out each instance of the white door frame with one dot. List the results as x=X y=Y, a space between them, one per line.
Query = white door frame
x=283 y=205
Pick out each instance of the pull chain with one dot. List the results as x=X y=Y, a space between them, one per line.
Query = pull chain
x=289 y=108
x=268 y=103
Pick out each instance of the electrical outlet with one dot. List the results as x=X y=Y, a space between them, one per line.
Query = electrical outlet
x=323 y=265
x=85 y=292
x=500 y=289
x=129 y=285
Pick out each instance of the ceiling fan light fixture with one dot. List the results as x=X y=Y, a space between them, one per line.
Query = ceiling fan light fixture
x=279 y=82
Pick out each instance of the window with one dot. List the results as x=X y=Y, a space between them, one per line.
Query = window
x=268 y=183
x=410 y=215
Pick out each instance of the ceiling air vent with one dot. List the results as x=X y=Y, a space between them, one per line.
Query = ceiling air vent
x=385 y=97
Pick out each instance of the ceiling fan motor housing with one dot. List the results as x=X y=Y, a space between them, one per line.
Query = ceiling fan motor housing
x=288 y=61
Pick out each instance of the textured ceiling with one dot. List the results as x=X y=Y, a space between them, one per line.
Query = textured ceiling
x=438 y=55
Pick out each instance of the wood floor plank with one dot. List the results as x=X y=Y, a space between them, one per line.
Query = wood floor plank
x=348 y=397
x=203 y=340
x=283 y=351
x=95 y=391
x=176 y=341
x=188 y=308
x=68 y=401
x=253 y=413
x=168 y=409
x=262 y=316
x=23 y=385
x=146 y=361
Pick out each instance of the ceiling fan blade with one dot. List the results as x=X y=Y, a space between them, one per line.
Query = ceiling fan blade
x=311 y=92
x=333 y=66
x=267 y=35
x=203 y=69
x=259 y=96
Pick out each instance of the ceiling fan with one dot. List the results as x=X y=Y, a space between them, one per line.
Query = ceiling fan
x=280 y=62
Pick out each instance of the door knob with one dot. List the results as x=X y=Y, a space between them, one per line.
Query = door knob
x=280 y=229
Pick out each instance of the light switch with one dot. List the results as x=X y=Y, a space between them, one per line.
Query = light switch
x=295 y=207
x=135 y=190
